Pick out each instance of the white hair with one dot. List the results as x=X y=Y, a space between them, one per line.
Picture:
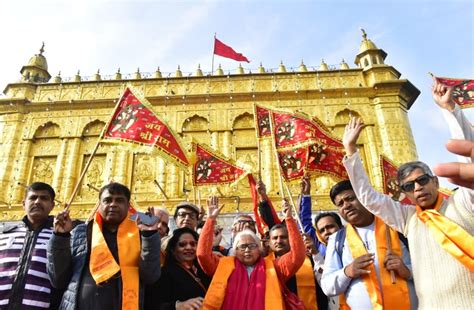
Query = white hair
x=162 y=210
x=247 y=232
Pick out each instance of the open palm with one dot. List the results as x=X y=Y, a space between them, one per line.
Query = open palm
x=351 y=134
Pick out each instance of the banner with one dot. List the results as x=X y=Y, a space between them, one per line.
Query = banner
x=463 y=91
x=212 y=168
x=262 y=121
x=390 y=181
x=224 y=50
x=292 y=163
x=326 y=159
x=135 y=124
x=292 y=130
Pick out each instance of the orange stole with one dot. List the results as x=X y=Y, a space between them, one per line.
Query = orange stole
x=305 y=285
x=395 y=296
x=449 y=235
x=103 y=265
x=216 y=293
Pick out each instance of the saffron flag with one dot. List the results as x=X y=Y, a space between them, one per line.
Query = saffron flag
x=212 y=168
x=326 y=159
x=292 y=163
x=292 y=130
x=390 y=180
x=463 y=90
x=134 y=124
x=226 y=51
x=262 y=121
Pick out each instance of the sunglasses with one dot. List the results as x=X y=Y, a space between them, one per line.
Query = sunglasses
x=191 y=215
x=421 y=180
x=183 y=244
x=250 y=246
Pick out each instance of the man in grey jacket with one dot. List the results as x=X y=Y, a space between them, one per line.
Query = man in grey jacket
x=105 y=263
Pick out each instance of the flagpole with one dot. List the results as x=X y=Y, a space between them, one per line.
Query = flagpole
x=161 y=189
x=83 y=174
x=270 y=116
x=293 y=205
x=213 y=53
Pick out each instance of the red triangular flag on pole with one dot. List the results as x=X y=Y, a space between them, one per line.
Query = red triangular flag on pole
x=262 y=121
x=463 y=90
x=226 y=51
x=390 y=181
x=134 y=124
x=212 y=168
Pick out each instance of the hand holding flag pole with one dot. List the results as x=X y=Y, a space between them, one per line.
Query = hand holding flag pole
x=389 y=251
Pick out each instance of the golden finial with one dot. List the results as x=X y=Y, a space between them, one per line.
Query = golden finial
x=199 y=71
x=42 y=49
x=219 y=70
x=302 y=67
x=118 y=75
x=261 y=69
x=57 y=78
x=281 y=68
x=323 y=66
x=138 y=75
x=240 y=69
x=97 y=76
x=364 y=34
x=344 y=65
x=178 y=72
x=77 y=77
x=158 y=73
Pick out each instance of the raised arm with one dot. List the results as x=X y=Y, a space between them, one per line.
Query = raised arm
x=305 y=211
x=459 y=126
x=265 y=207
x=207 y=259
x=288 y=264
x=390 y=211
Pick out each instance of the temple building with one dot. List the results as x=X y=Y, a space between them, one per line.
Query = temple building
x=49 y=126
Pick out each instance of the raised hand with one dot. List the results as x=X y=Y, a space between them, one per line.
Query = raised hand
x=351 y=135
x=62 y=222
x=356 y=268
x=309 y=245
x=395 y=263
x=190 y=304
x=305 y=185
x=213 y=208
x=261 y=189
x=286 y=209
x=442 y=95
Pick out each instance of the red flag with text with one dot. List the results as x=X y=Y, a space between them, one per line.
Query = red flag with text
x=134 y=124
x=224 y=50
x=390 y=181
x=262 y=121
x=212 y=168
x=292 y=130
x=463 y=91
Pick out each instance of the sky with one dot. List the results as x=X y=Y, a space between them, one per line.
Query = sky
x=87 y=35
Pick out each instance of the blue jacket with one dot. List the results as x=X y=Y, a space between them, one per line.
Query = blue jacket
x=67 y=256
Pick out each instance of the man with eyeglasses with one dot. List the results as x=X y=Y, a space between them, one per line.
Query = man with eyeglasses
x=186 y=214
x=439 y=230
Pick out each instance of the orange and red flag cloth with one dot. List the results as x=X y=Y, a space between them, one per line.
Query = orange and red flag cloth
x=226 y=51
x=463 y=91
x=212 y=168
x=135 y=124
x=262 y=227
x=262 y=121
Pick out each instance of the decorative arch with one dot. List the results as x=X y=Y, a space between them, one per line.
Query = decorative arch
x=195 y=123
x=342 y=117
x=244 y=121
x=47 y=130
x=93 y=128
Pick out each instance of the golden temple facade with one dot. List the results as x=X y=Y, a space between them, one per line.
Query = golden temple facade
x=49 y=127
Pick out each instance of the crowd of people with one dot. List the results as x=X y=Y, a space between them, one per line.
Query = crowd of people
x=383 y=255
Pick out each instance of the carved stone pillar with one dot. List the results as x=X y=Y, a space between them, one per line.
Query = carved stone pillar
x=215 y=140
x=173 y=181
x=268 y=157
x=22 y=169
x=58 y=170
x=72 y=172
x=373 y=158
x=227 y=141
x=121 y=167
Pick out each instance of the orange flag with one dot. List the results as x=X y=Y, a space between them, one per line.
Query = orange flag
x=463 y=91
x=136 y=125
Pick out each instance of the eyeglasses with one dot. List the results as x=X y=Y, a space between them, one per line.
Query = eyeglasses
x=187 y=214
x=250 y=246
x=410 y=186
x=246 y=222
x=183 y=244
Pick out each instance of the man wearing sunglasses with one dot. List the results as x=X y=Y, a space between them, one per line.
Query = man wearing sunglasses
x=439 y=230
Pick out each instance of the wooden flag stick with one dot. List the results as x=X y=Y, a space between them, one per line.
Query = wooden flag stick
x=293 y=205
x=259 y=153
x=161 y=189
x=282 y=192
x=91 y=215
x=93 y=187
x=194 y=194
x=389 y=251
x=83 y=174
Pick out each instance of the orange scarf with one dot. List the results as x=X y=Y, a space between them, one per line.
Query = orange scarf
x=216 y=293
x=103 y=265
x=305 y=285
x=395 y=296
x=449 y=235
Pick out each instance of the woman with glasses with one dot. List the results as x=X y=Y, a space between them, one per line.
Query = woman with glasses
x=183 y=284
x=247 y=280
